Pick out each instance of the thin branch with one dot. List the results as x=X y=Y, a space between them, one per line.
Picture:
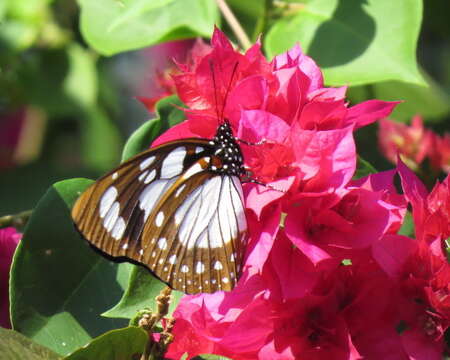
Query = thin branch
x=17 y=220
x=234 y=24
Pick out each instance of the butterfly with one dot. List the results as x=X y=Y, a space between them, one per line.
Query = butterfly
x=176 y=209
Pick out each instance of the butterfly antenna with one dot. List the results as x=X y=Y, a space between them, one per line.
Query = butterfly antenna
x=211 y=67
x=233 y=73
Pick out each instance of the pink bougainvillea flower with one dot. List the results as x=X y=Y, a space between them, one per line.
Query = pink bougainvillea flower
x=421 y=294
x=305 y=128
x=420 y=269
x=431 y=212
x=12 y=124
x=288 y=301
x=9 y=238
x=413 y=143
x=440 y=153
x=330 y=226
x=324 y=322
x=161 y=84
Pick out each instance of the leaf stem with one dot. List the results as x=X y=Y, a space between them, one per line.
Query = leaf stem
x=17 y=220
x=263 y=20
x=234 y=24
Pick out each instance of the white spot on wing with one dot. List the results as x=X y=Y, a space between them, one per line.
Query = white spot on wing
x=159 y=219
x=184 y=269
x=173 y=259
x=196 y=168
x=225 y=280
x=147 y=162
x=215 y=237
x=199 y=149
x=111 y=216
x=162 y=243
x=197 y=219
x=218 y=265
x=119 y=228
x=199 y=267
x=107 y=199
x=150 y=176
x=182 y=210
x=238 y=203
x=179 y=190
x=143 y=175
x=173 y=163
x=115 y=175
x=202 y=241
x=151 y=194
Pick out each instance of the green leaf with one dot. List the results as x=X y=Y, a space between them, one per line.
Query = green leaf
x=31 y=11
x=59 y=285
x=354 y=42
x=81 y=84
x=210 y=357
x=430 y=101
x=363 y=168
x=101 y=141
x=120 y=344
x=407 y=228
x=16 y=35
x=140 y=294
x=113 y=26
x=69 y=75
x=14 y=346
x=167 y=114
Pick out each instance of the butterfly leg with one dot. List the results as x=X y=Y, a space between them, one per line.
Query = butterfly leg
x=260 y=142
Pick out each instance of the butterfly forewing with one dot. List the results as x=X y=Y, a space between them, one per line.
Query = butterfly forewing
x=166 y=210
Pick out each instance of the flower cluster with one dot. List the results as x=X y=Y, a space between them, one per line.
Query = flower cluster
x=414 y=144
x=326 y=276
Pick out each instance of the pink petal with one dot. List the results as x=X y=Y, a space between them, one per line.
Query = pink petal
x=297 y=234
x=220 y=41
x=369 y=111
x=328 y=94
x=392 y=251
x=256 y=125
x=257 y=197
x=180 y=131
x=323 y=115
x=326 y=158
x=262 y=236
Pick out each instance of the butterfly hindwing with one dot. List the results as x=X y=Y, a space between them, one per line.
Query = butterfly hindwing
x=199 y=248
x=166 y=210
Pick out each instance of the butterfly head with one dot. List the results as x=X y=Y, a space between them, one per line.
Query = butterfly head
x=227 y=152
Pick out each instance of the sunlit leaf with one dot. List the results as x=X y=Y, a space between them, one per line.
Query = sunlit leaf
x=112 y=26
x=354 y=42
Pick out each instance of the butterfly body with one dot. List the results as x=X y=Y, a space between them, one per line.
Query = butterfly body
x=176 y=209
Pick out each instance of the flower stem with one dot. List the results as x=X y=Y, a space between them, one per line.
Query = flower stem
x=234 y=24
x=17 y=220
